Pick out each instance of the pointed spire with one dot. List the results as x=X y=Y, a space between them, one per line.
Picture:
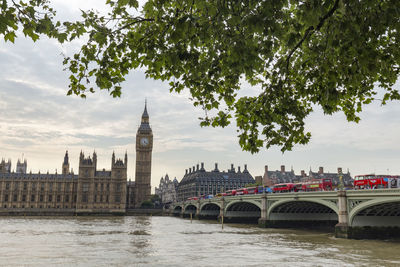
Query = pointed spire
x=145 y=114
x=145 y=125
x=66 y=159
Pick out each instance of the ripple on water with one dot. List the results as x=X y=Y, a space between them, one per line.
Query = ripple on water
x=139 y=232
x=168 y=241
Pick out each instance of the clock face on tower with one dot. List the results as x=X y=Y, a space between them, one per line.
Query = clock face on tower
x=144 y=141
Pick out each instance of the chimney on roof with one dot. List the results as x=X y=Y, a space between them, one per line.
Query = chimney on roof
x=321 y=170
x=282 y=168
x=190 y=170
x=232 y=168
x=339 y=170
x=266 y=168
x=238 y=169
x=303 y=173
x=194 y=168
x=197 y=167
x=186 y=172
x=245 y=169
x=216 y=167
x=202 y=167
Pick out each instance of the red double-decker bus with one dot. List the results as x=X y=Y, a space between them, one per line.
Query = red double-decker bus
x=372 y=181
x=242 y=191
x=230 y=193
x=324 y=184
x=252 y=190
x=285 y=187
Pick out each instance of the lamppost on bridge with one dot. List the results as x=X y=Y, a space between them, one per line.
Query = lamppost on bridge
x=341 y=185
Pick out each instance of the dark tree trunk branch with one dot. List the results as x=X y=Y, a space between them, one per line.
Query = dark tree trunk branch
x=310 y=32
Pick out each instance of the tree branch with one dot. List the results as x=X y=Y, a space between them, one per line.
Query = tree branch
x=137 y=20
x=311 y=30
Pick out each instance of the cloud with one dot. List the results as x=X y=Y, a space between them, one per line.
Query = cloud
x=376 y=130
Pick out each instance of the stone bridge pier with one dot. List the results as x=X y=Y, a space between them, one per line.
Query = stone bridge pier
x=342 y=228
x=263 y=221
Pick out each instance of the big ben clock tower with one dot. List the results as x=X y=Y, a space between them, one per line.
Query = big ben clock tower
x=144 y=147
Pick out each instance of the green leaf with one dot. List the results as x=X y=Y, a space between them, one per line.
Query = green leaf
x=10 y=36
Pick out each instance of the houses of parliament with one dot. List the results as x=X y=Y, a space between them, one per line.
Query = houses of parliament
x=90 y=191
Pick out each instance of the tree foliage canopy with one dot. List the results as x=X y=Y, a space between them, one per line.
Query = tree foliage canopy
x=302 y=54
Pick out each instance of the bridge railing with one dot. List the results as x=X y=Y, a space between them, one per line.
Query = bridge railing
x=386 y=191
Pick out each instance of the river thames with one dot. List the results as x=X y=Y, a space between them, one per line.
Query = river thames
x=169 y=241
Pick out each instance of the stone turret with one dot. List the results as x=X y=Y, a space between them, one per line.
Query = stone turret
x=65 y=165
x=21 y=166
x=87 y=167
x=5 y=167
x=95 y=159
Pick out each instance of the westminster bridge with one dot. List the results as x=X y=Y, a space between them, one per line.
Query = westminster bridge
x=353 y=213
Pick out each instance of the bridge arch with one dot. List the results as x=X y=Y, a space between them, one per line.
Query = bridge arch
x=332 y=206
x=236 y=202
x=302 y=213
x=372 y=213
x=209 y=210
x=202 y=205
x=177 y=210
x=190 y=209
x=242 y=211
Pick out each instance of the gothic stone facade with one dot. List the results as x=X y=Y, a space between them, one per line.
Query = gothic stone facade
x=91 y=191
x=167 y=190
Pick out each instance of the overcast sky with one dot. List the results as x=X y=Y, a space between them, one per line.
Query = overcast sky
x=39 y=121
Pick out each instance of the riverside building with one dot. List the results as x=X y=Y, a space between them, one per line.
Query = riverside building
x=282 y=176
x=197 y=181
x=167 y=190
